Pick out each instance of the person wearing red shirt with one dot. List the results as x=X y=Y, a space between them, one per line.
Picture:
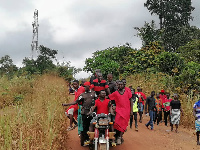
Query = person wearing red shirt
x=124 y=106
x=100 y=84
x=162 y=97
x=142 y=98
x=166 y=105
x=72 y=111
x=102 y=105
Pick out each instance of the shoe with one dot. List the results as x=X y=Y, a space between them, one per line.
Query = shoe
x=119 y=141
x=147 y=126
x=152 y=129
x=86 y=143
x=198 y=143
x=113 y=144
x=136 y=129
x=70 y=128
x=140 y=121
x=76 y=125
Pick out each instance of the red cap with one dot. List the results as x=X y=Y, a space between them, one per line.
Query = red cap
x=162 y=91
x=87 y=83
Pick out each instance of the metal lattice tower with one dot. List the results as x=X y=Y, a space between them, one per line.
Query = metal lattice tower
x=34 y=44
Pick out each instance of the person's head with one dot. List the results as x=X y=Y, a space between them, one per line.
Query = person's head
x=82 y=82
x=132 y=91
x=139 y=89
x=162 y=92
x=124 y=81
x=175 y=96
x=152 y=93
x=102 y=94
x=99 y=76
x=86 y=85
x=109 y=77
x=120 y=85
x=97 y=71
x=75 y=84
x=157 y=95
x=168 y=95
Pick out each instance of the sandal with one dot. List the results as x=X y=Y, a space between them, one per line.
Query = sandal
x=76 y=125
x=70 y=128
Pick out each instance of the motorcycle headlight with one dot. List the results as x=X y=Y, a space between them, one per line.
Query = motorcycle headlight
x=103 y=122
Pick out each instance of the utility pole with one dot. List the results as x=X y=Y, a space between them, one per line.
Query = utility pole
x=34 y=44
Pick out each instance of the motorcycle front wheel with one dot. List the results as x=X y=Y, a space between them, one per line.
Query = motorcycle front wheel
x=102 y=146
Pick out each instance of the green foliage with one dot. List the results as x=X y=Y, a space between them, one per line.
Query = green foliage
x=190 y=76
x=7 y=67
x=143 y=59
x=43 y=63
x=174 y=19
x=191 y=51
x=111 y=60
x=170 y=63
x=149 y=33
x=66 y=71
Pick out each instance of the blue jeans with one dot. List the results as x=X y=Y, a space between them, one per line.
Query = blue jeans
x=151 y=119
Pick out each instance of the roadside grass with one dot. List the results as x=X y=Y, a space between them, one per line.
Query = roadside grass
x=158 y=81
x=31 y=116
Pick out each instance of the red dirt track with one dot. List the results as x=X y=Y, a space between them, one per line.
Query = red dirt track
x=160 y=138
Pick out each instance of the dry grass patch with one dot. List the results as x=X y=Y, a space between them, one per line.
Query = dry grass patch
x=38 y=122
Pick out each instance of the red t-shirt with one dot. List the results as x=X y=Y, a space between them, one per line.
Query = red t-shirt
x=141 y=94
x=102 y=106
x=166 y=104
x=163 y=97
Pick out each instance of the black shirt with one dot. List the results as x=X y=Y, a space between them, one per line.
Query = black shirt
x=151 y=103
x=175 y=104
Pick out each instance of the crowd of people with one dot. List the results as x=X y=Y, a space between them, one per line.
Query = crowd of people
x=124 y=104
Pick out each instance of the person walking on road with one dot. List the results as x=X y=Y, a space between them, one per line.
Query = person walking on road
x=196 y=113
x=136 y=103
x=124 y=106
x=175 y=111
x=150 y=102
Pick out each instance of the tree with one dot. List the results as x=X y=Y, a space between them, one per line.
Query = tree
x=191 y=51
x=170 y=63
x=111 y=60
x=149 y=33
x=43 y=62
x=174 y=17
x=7 y=66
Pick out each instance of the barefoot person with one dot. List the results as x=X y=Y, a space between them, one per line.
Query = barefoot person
x=124 y=106
x=175 y=111
x=87 y=99
x=72 y=111
x=196 y=113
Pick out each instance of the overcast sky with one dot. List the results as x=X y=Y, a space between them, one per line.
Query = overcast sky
x=76 y=28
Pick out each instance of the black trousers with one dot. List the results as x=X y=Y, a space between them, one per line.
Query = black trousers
x=86 y=124
x=157 y=117
x=135 y=118
x=166 y=114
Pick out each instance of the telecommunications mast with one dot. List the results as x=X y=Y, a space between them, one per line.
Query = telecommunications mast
x=34 y=44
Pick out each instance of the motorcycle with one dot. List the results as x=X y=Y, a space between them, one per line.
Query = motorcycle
x=101 y=136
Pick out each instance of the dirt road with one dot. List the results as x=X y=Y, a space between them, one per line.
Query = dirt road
x=160 y=138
